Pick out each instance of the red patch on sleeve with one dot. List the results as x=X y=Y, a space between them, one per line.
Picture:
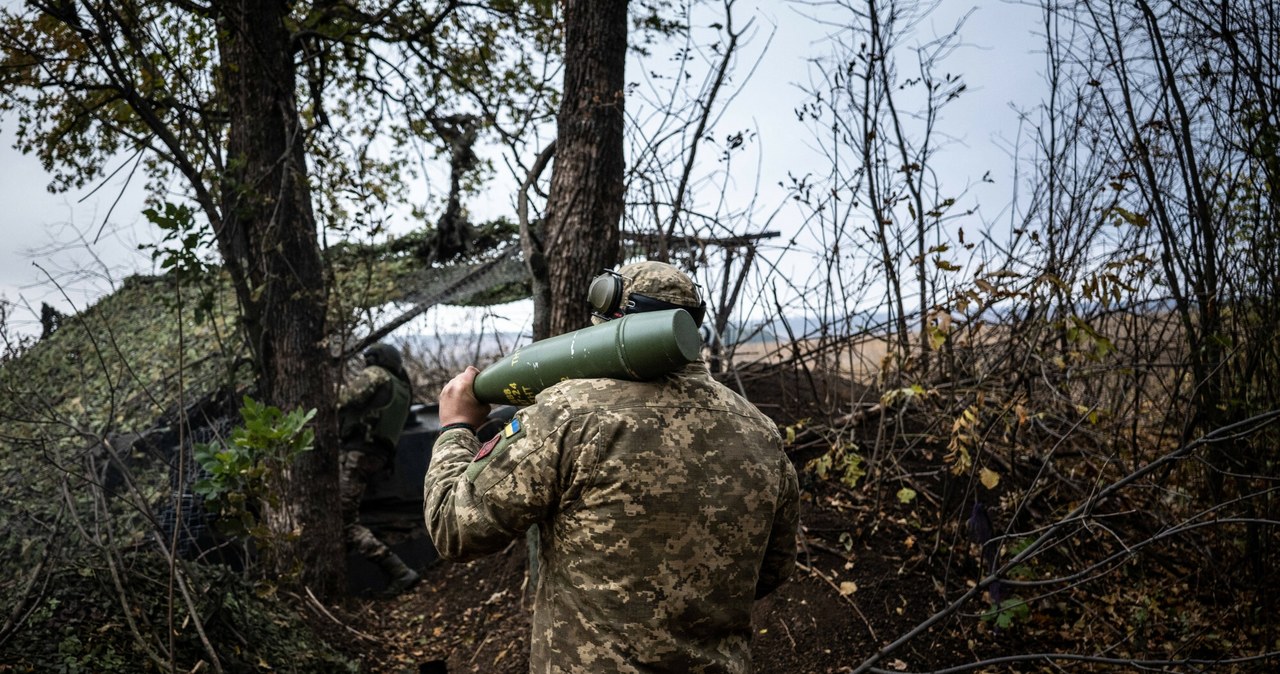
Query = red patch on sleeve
x=487 y=447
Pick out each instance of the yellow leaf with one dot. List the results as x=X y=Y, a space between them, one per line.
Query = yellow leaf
x=990 y=479
x=847 y=588
x=906 y=494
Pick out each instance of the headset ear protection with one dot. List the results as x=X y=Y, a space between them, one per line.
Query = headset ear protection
x=605 y=297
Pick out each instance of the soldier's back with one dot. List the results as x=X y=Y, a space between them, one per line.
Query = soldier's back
x=670 y=493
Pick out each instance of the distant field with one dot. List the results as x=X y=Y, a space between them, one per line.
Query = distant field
x=859 y=360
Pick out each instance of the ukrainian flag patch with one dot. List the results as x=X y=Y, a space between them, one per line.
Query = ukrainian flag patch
x=494 y=447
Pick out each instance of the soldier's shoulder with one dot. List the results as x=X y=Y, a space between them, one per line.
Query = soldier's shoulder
x=378 y=373
x=740 y=405
x=584 y=397
x=366 y=380
x=581 y=392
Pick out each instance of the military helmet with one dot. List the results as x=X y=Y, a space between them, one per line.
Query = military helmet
x=644 y=286
x=383 y=355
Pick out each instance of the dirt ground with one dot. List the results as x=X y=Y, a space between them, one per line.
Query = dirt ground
x=472 y=618
x=870 y=569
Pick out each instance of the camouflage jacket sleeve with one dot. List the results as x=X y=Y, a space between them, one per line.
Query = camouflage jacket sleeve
x=477 y=499
x=780 y=556
x=359 y=394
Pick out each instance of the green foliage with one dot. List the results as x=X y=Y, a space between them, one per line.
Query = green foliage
x=245 y=472
x=77 y=109
x=1007 y=613
x=86 y=82
x=180 y=253
x=179 y=249
x=841 y=462
x=1094 y=345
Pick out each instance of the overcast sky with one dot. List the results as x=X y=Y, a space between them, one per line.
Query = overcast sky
x=82 y=241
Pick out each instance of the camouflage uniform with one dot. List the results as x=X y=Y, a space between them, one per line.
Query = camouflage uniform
x=372 y=410
x=664 y=509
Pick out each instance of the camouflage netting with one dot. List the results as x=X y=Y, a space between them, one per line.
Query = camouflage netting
x=96 y=417
x=74 y=406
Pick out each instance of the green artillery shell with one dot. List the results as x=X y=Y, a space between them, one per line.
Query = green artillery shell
x=636 y=347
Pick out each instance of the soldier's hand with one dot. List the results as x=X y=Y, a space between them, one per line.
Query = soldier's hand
x=458 y=402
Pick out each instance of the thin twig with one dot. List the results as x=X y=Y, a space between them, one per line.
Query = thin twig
x=1250 y=425
x=27 y=599
x=814 y=570
x=1049 y=658
x=321 y=607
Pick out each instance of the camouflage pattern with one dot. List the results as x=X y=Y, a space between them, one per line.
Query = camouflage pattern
x=372 y=409
x=664 y=508
x=356 y=468
x=660 y=281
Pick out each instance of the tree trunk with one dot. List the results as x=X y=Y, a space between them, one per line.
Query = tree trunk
x=585 y=203
x=268 y=240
